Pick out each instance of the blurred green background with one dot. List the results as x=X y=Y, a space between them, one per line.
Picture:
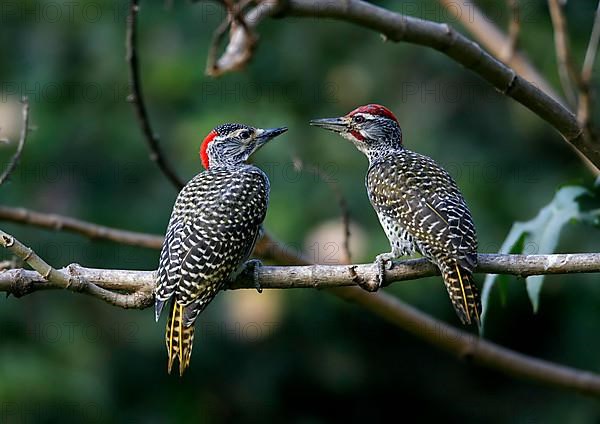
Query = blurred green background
x=299 y=356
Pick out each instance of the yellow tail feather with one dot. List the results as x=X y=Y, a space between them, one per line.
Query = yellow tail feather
x=463 y=293
x=179 y=339
x=464 y=296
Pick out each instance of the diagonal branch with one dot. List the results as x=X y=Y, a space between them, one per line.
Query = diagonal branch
x=584 y=109
x=442 y=37
x=592 y=49
x=22 y=139
x=137 y=98
x=514 y=29
x=87 y=229
x=566 y=66
x=267 y=247
x=237 y=53
x=493 y=39
x=471 y=348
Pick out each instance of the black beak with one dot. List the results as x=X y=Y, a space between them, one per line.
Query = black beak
x=337 y=125
x=270 y=133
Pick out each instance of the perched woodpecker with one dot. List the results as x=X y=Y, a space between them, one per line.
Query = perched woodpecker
x=214 y=225
x=420 y=207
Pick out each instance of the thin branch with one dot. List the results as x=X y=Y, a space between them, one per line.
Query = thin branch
x=22 y=139
x=242 y=39
x=584 y=109
x=87 y=229
x=266 y=248
x=564 y=57
x=64 y=279
x=471 y=348
x=514 y=29
x=137 y=99
x=339 y=195
x=592 y=49
x=238 y=52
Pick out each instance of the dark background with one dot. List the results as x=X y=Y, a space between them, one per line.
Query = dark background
x=299 y=356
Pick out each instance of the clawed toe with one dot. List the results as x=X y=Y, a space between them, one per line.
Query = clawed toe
x=252 y=267
x=384 y=263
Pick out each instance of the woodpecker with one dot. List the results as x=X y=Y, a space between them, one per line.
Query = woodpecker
x=419 y=205
x=214 y=225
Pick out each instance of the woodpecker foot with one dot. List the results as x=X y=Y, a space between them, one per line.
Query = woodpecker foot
x=383 y=263
x=252 y=267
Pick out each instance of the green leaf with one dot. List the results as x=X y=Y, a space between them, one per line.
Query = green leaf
x=540 y=235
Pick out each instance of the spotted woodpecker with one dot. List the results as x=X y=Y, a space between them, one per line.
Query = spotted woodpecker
x=214 y=225
x=419 y=205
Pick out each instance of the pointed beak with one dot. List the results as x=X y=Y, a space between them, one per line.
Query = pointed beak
x=337 y=125
x=269 y=134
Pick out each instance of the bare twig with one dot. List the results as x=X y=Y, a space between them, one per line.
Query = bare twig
x=242 y=41
x=88 y=229
x=22 y=139
x=137 y=99
x=564 y=57
x=339 y=195
x=584 y=109
x=592 y=49
x=267 y=247
x=514 y=29
x=64 y=279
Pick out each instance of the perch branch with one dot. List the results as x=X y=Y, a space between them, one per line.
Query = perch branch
x=287 y=277
x=66 y=279
x=136 y=287
x=22 y=139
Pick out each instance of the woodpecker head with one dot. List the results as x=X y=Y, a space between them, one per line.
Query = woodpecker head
x=232 y=144
x=372 y=128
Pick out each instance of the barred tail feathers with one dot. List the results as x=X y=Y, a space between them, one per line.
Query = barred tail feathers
x=179 y=338
x=463 y=293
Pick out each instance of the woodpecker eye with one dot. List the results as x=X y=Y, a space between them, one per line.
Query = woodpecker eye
x=245 y=134
x=359 y=119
